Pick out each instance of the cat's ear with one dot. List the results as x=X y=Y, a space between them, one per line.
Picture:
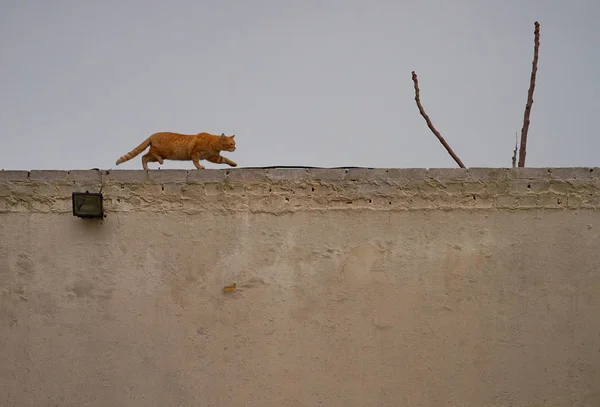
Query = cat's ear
x=233 y=136
x=223 y=136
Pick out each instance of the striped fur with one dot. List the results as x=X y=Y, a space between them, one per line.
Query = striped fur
x=183 y=147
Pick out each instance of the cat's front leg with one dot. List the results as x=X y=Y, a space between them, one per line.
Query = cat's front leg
x=219 y=159
x=230 y=162
x=196 y=161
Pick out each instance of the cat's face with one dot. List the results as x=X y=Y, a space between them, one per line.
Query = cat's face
x=227 y=142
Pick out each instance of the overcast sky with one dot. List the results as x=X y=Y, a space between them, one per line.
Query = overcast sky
x=303 y=82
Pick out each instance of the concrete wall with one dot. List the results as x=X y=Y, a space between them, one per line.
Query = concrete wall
x=355 y=287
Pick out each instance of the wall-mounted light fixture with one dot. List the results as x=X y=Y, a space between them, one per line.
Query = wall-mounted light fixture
x=87 y=205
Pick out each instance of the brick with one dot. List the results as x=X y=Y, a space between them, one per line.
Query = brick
x=551 y=200
x=561 y=173
x=287 y=174
x=365 y=189
x=527 y=201
x=560 y=186
x=526 y=186
x=247 y=174
x=574 y=201
x=45 y=190
x=66 y=190
x=417 y=174
x=419 y=202
x=484 y=202
x=583 y=201
x=409 y=187
x=529 y=173
x=48 y=175
x=488 y=174
x=21 y=190
x=573 y=173
x=506 y=201
x=193 y=191
x=365 y=174
x=585 y=186
x=451 y=174
x=126 y=176
x=474 y=187
x=84 y=175
x=448 y=186
x=399 y=202
x=392 y=174
x=14 y=175
x=325 y=174
x=427 y=187
x=5 y=189
x=591 y=200
x=167 y=176
x=196 y=176
x=213 y=189
x=172 y=189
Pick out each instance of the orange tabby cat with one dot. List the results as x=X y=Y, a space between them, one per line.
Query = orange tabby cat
x=183 y=147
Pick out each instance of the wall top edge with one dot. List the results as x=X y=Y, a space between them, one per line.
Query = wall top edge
x=296 y=173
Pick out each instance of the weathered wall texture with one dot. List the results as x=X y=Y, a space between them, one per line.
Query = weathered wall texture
x=355 y=287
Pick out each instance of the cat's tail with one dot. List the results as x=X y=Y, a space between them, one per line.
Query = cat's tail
x=135 y=151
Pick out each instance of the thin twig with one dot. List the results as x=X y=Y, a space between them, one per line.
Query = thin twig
x=430 y=125
x=525 y=129
x=514 y=157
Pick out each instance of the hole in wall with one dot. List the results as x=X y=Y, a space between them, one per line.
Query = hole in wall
x=118 y=199
x=370 y=201
x=591 y=170
x=162 y=187
x=474 y=198
x=269 y=189
x=313 y=189
x=287 y=199
x=528 y=185
x=558 y=201
x=390 y=202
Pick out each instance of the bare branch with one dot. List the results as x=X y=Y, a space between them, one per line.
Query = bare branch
x=525 y=129
x=430 y=125
x=514 y=157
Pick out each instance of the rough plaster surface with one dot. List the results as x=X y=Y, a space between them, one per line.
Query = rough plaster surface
x=476 y=287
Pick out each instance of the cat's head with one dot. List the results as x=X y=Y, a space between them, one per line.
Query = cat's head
x=227 y=142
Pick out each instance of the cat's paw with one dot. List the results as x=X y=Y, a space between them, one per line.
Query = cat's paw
x=233 y=164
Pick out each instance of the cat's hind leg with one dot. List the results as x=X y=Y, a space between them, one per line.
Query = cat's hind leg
x=157 y=157
x=148 y=158
x=219 y=159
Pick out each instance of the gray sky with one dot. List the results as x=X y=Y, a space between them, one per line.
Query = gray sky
x=318 y=83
